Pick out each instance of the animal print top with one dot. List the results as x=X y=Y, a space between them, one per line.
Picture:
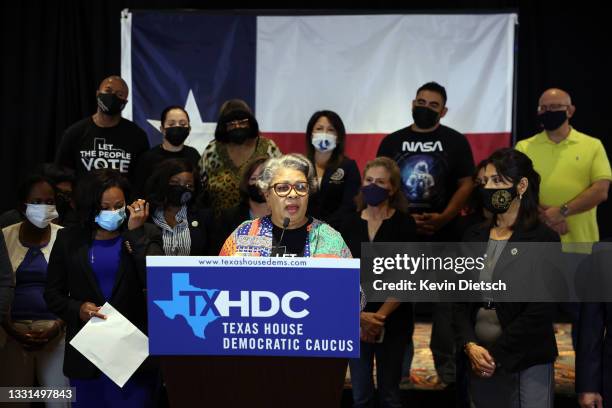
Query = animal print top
x=221 y=178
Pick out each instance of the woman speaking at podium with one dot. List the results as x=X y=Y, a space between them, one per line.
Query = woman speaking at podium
x=286 y=183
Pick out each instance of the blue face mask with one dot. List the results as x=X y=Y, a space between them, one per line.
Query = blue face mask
x=374 y=194
x=111 y=220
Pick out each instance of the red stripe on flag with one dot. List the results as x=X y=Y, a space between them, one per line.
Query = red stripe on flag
x=362 y=147
x=483 y=144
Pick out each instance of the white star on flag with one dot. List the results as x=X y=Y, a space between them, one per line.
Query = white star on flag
x=201 y=132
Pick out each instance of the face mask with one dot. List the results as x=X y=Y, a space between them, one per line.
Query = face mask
x=374 y=194
x=110 y=104
x=424 y=117
x=178 y=195
x=177 y=135
x=41 y=214
x=324 y=142
x=498 y=200
x=552 y=120
x=239 y=136
x=255 y=194
x=111 y=220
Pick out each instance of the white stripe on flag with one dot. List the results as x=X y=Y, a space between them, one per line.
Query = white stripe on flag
x=367 y=68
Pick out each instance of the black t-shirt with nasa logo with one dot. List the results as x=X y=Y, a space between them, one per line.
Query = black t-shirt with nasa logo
x=430 y=164
x=85 y=147
x=338 y=188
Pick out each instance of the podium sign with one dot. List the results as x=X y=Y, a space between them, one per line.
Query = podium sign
x=306 y=307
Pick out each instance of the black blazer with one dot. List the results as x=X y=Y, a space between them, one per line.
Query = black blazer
x=201 y=230
x=334 y=198
x=594 y=350
x=71 y=281
x=528 y=336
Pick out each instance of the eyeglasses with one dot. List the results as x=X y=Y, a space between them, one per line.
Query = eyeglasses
x=237 y=124
x=284 y=189
x=552 y=108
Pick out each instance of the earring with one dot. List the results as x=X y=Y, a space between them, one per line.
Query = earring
x=520 y=196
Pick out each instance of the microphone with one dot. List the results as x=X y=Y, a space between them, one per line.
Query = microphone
x=286 y=221
x=277 y=249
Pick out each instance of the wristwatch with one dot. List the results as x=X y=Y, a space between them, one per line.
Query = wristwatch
x=564 y=210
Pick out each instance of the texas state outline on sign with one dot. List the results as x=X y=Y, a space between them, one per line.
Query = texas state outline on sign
x=179 y=305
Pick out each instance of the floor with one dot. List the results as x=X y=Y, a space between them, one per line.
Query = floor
x=423 y=373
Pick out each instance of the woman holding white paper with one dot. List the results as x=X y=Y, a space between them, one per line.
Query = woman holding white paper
x=103 y=260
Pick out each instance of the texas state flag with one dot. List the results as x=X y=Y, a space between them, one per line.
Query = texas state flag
x=366 y=68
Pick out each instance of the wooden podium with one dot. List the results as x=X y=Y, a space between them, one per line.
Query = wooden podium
x=247 y=381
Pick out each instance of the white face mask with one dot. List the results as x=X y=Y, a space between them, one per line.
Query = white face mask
x=324 y=142
x=41 y=214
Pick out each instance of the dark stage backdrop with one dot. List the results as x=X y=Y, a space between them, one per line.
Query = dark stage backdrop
x=55 y=53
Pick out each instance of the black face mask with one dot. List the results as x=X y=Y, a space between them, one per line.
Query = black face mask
x=178 y=195
x=497 y=200
x=239 y=136
x=177 y=135
x=110 y=104
x=255 y=194
x=424 y=117
x=552 y=120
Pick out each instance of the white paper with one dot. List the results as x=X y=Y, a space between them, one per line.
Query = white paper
x=114 y=345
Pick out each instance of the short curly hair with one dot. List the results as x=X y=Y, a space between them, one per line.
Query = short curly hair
x=293 y=161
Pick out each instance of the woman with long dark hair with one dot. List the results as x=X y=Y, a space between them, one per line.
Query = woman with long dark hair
x=337 y=175
x=511 y=346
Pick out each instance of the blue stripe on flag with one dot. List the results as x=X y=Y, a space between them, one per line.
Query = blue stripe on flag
x=174 y=53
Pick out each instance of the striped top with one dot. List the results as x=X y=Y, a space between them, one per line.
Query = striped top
x=177 y=240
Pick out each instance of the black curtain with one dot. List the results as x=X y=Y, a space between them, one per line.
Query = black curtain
x=57 y=52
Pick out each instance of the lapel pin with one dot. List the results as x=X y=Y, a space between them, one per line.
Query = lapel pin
x=514 y=251
x=194 y=224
